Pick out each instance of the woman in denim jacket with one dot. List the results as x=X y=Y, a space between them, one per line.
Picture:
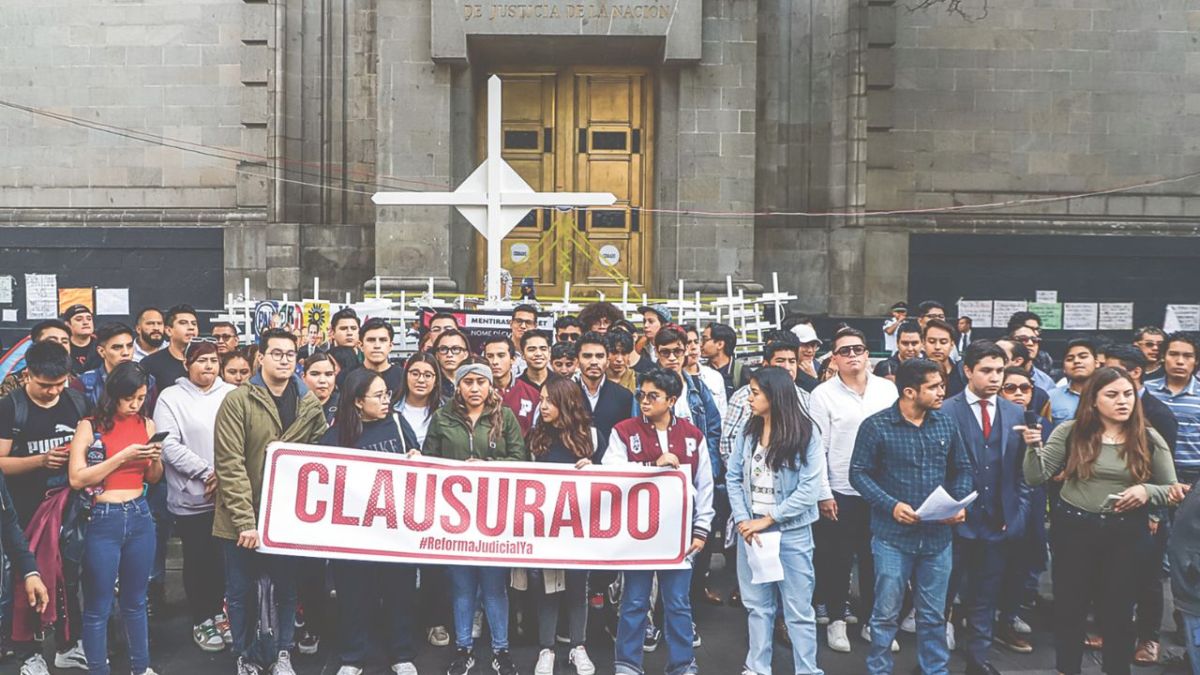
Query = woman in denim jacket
x=774 y=480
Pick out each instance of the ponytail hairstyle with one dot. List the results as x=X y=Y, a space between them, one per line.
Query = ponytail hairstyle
x=791 y=427
x=123 y=382
x=574 y=425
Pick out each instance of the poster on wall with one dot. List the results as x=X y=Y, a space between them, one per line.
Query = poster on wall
x=1051 y=314
x=1116 y=316
x=979 y=311
x=1080 y=315
x=41 y=297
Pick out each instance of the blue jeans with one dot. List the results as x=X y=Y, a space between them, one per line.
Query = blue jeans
x=156 y=494
x=796 y=554
x=1191 y=638
x=674 y=585
x=982 y=564
x=930 y=574
x=243 y=567
x=119 y=545
x=467 y=584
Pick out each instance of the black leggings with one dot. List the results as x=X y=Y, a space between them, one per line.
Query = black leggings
x=203 y=571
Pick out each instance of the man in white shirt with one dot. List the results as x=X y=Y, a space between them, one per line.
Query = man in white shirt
x=838 y=406
x=890 y=326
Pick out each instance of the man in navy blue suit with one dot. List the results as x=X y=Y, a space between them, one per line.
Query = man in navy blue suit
x=997 y=517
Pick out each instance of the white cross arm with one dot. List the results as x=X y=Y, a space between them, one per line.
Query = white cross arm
x=529 y=199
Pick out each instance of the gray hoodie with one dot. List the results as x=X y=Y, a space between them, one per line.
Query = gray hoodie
x=190 y=415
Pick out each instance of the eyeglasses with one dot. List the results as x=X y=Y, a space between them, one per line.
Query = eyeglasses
x=671 y=353
x=282 y=356
x=222 y=337
x=649 y=396
x=1014 y=388
x=422 y=374
x=524 y=323
x=382 y=397
x=848 y=350
x=1151 y=343
x=940 y=317
x=198 y=341
x=1028 y=339
x=451 y=351
x=568 y=337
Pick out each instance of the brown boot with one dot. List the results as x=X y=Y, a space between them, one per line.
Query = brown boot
x=1147 y=653
x=1010 y=638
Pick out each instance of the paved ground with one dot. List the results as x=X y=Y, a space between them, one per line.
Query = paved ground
x=723 y=630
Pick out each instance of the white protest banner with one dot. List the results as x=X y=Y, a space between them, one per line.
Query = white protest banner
x=361 y=505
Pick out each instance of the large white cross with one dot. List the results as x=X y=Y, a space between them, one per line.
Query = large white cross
x=494 y=198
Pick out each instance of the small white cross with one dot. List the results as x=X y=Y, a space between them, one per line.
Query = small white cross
x=494 y=198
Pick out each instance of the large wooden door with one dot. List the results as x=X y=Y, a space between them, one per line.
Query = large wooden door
x=580 y=130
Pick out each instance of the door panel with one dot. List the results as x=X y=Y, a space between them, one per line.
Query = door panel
x=578 y=130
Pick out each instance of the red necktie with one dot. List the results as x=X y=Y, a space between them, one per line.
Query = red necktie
x=987 y=420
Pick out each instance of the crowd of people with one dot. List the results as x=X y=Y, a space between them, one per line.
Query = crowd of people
x=115 y=438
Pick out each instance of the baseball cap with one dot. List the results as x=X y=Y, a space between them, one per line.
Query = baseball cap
x=73 y=310
x=805 y=333
x=663 y=312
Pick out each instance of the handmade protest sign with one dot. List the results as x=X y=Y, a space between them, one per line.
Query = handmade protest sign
x=360 y=505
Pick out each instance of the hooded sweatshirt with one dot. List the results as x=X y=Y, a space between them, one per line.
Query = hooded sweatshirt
x=190 y=416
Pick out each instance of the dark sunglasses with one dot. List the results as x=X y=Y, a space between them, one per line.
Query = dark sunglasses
x=856 y=350
x=1014 y=388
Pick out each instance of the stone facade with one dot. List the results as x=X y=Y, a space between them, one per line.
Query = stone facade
x=836 y=108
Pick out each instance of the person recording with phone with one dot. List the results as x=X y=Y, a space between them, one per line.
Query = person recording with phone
x=1115 y=465
x=115 y=452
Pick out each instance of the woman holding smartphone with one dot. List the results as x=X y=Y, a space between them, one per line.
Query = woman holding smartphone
x=1114 y=466
x=114 y=453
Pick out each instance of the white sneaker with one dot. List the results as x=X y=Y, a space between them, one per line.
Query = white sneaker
x=207 y=637
x=247 y=667
x=582 y=662
x=283 y=664
x=149 y=671
x=477 y=625
x=866 y=635
x=406 y=668
x=35 y=665
x=545 y=663
x=909 y=624
x=1020 y=627
x=72 y=658
x=835 y=632
x=349 y=670
x=950 y=643
x=439 y=636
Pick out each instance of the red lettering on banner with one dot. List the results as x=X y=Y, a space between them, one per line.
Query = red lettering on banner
x=481 y=507
x=302 y=511
x=410 y=502
x=456 y=505
x=614 y=508
x=524 y=506
x=635 y=507
x=566 y=512
x=382 y=488
x=339 y=498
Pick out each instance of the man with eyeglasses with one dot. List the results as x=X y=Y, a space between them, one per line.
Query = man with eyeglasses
x=567 y=329
x=838 y=406
x=518 y=395
x=275 y=405
x=114 y=344
x=37 y=423
x=1149 y=601
x=1079 y=363
x=150 y=336
x=930 y=309
x=1026 y=319
x=535 y=347
x=1029 y=338
x=1149 y=339
x=167 y=365
x=50 y=330
x=226 y=337
x=376 y=337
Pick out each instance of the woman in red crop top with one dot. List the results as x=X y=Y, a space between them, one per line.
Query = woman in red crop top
x=112 y=457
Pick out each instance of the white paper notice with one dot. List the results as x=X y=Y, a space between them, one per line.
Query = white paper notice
x=980 y=312
x=1182 y=317
x=1116 y=316
x=10 y=316
x=1080 y=315
x=1046 y=296
x=41 y=297
x=112 y=301
x=1003 y=309
x=765 y=566
x=6 y=290
x=941 y=506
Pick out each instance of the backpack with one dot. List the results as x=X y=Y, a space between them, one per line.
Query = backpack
x=21 y=406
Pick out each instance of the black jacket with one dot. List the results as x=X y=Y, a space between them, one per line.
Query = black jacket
x=12 y=540
x=613 y=406
x=1159 y=416
x=1183 y=553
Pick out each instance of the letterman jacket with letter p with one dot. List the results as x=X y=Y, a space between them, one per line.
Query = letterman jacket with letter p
x=635 y=441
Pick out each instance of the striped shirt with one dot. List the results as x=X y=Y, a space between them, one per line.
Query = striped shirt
x=1186 y=407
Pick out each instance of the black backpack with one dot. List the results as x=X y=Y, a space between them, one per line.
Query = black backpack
x=21 y=406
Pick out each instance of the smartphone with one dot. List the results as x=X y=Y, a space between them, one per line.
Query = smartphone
x=1032 y=419
x=158 y=438
x=1110 y=502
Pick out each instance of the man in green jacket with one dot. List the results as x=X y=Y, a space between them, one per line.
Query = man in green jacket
x=273 y=406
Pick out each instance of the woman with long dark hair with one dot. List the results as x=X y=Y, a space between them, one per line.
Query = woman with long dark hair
x=562 y=435
x=774 y=482
x=475 y=426
x=365 y=421
x=420 y=393
x=1113 y=466
x=112 y=456
x=320 y=376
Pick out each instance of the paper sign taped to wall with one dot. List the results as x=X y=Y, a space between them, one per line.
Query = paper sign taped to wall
x=112 y=301
x=41 y=297
x=6 y=290
x=75 y=296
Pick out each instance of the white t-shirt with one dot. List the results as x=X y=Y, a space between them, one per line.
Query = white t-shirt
x=682 y=410
x=417 y=418
x=762 y=483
